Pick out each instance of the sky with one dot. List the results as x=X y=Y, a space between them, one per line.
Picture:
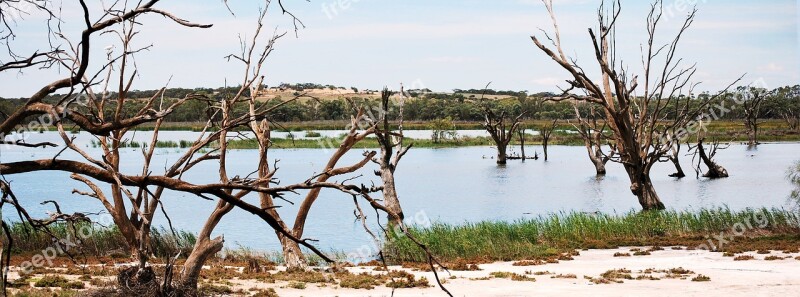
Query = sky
x=441 y=44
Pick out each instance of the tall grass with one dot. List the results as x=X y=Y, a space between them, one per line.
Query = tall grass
x=95 y=240
x=542 y=236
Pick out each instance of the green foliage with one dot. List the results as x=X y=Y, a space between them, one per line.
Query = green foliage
x=57 y=281
x=782 y=103
x=443 y=129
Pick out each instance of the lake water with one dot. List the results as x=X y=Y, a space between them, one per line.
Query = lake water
x=452 y=185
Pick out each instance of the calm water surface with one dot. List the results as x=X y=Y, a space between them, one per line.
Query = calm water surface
x=453 y=185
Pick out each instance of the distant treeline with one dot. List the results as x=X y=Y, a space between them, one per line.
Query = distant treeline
x=463 y=105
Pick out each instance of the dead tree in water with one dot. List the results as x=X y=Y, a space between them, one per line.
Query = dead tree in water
x=134 y=199
x=701 y=156
x=593 y=139
x=635 y=119
x=674 y=157
x=751 y=99
x=496 y=126
x=522 y=143
x=547 y=131
x=392 y=150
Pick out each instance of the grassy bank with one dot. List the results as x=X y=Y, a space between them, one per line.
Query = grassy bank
x=95 y=241
x=536 y=238
x=546 y=236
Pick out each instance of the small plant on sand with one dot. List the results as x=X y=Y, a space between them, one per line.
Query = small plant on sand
x=297 y=285
x=512 y=276
x=773 y=258
x=402 y=279
x=266 y=293
x=528 y=263
x=641 y=253
x=522 y=278
x=570 y=275
x=501 y=274
x=616 y=274
x=461 y=265
x=680 y=270
x=600 y=280
x=214 y=290
x=647 y=277
x=701 y=278
x=51 y=281
x=357 y=281
x=743 y=258
x=618 y=254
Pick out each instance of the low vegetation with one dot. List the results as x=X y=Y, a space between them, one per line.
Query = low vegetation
x=548 y=237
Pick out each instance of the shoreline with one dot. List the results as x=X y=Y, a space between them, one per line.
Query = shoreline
x=594 y=272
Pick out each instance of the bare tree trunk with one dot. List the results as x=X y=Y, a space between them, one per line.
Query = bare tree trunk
x=390 y=199
x=599 y=164
x=204 y=249
x=392 y=150
x=675 y=158
x=501 y=154
x=293 y=257
x=522 y=143
x=752 y=134
x=593 y=139
x=714 y=169
x=678 y=169
x=544 y=147
x=642 y=187
x=547 y=131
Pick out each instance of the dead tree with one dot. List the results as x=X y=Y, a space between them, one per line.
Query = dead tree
x=786 y=100
x=521 y=133
x=636 y=119
x=701 y=156
x=751 y=99
x=791 y=117
x=593 y=139
x=134 y=199
x=500 y=131
x=110 y=128
x=547 y=131
x=392 y=150
x=674 y=157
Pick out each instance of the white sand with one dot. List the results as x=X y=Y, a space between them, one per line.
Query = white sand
x=728 y=278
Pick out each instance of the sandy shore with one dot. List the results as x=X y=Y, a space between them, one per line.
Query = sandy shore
x=585 y=275
x=757 y=277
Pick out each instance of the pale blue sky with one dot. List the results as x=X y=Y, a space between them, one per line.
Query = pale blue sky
x=441 y=44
